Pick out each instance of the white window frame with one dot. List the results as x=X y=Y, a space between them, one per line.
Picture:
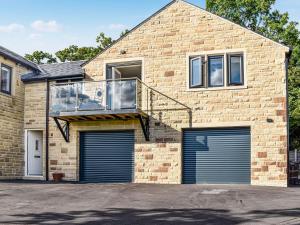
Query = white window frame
x=224 y=53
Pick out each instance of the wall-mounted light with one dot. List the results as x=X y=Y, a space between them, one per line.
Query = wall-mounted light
x=123 y=52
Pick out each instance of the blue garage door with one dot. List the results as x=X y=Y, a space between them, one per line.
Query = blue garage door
x=216 y=156
x=107 y=157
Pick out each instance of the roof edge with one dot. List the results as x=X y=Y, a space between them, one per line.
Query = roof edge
x=52 y=78
x=28 y=65
x=191 y=4
x=131 y=30
x=228 y=20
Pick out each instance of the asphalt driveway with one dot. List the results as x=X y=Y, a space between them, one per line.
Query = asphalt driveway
x=40 y=203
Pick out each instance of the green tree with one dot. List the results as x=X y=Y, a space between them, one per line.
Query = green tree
x=74 y=53
x=260 y=16
x=248 y=13
x=103 y=41
x=124 y=32
x=41 y=57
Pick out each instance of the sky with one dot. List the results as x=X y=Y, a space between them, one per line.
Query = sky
x=29 y=25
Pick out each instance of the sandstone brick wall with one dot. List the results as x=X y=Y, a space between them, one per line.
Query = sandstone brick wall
x=163 y=43
x=11 y=125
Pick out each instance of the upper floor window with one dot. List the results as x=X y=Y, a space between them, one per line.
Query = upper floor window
x=215 y=71
x=220 y=70
x=5 y=79
x=196 y=74
x=235 y=69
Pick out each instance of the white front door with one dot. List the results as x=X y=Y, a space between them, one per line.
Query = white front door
x=34 y=153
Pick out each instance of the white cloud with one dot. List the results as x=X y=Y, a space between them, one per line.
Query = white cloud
x=34 y=36
x=13 y=27
x=117 y=26
x=217 y=77
x=44 y=26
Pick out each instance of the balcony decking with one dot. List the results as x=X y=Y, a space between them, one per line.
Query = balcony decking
x=123 y=114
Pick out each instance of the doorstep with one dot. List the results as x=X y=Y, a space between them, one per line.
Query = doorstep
x=33 y=178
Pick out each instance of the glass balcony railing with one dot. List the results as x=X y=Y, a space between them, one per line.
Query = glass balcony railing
x=106 y=95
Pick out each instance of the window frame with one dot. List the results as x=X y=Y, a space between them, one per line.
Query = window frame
x=208 y=70
x=202 y=75
x=10 y=79
x=242 y=73
x=225 y=53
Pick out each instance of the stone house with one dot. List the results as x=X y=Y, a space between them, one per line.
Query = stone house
x=185 y=97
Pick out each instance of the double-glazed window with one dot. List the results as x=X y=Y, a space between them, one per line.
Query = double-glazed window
x=5 y=79
x=210 y=71
x=235 y=69
x=215 y=71
x=196 y=72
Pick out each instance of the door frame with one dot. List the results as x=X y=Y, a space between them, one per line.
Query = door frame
x=124 y=60
x=103 y=131
x=26 y=175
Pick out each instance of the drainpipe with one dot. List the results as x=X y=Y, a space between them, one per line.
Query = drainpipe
x=288 y=57
x=47 y=129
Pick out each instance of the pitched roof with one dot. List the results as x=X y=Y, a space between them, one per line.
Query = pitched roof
x=56 y=70
x=162 y=9
x=17 y=58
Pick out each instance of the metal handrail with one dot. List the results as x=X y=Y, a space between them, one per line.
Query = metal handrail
x=94 y=81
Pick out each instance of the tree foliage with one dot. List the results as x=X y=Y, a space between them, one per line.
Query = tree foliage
x=103 y=41
x=124 y=32
x=248 y=13
x=74 y=53
x=259 y=16
x=41 y=57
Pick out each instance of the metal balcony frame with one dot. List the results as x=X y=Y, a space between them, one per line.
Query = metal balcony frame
x=63 y=128
x=145 y=124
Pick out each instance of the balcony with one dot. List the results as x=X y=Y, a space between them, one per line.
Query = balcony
x=96 y=99
x=99 y=100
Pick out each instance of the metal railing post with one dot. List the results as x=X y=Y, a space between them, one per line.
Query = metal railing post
x=77 y=103
x=147 y=107
x=136 y=94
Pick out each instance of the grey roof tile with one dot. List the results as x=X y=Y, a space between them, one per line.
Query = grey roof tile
x=56 y=70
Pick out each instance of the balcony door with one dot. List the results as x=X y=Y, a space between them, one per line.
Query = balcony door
x=122 y=85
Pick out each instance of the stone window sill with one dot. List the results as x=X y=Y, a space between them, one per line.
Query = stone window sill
x=6 y=95
x=217 y=88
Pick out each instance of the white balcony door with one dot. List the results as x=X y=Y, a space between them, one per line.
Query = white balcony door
x=34 y=153
x=116 y=89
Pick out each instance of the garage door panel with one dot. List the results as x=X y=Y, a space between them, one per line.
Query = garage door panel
x=107 y=157
x=216 y=156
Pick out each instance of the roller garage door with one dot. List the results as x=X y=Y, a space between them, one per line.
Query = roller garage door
x=107 y=157
x=216 y=156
